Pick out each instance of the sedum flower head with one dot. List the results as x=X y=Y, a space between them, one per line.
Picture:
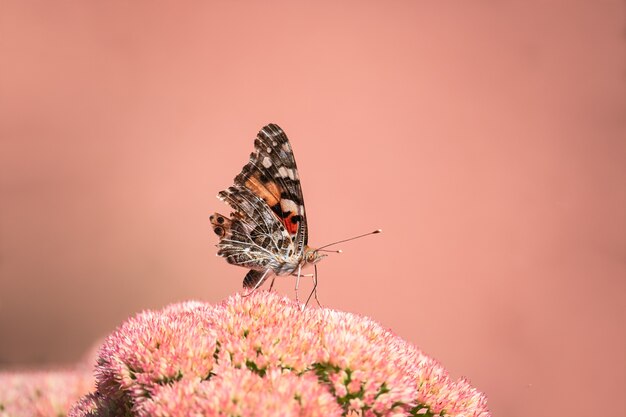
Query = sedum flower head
x=262 y=355
x=42 y=393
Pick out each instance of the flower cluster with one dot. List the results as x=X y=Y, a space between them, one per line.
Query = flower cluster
x=263 y=355
x=42 y=393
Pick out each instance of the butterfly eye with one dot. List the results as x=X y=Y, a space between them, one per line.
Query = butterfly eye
x=218 y=230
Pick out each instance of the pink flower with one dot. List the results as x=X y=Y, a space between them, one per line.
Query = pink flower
x=262 y=355
x=42 y=393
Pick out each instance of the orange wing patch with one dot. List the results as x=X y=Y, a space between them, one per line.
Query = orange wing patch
x=287 y=211
x=268 y=191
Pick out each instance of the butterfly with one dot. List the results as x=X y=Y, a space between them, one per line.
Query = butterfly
x=267 y=232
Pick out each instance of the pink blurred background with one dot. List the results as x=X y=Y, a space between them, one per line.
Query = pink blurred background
x=487 y=139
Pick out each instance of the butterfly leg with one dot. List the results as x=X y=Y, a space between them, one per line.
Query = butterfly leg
x=314 y=289
x=272 y=283
x=298 y=282
x=258 y=284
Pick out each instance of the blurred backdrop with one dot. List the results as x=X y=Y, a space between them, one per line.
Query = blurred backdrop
x=487 y=139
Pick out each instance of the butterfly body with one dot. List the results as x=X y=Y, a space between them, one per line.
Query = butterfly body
x=267 y=233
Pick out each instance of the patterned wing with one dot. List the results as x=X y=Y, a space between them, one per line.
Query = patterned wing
x=272 y=175
x=252 y=237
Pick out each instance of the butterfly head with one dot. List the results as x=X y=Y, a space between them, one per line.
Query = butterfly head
x=313 y=256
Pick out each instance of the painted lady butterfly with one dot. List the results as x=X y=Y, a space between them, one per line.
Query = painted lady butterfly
x=267 y=233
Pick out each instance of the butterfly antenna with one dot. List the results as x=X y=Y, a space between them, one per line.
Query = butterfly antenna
x=347 y=240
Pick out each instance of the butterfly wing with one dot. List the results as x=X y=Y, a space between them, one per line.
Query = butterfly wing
x=268 y=229
x=272 y=175
x=251 y=237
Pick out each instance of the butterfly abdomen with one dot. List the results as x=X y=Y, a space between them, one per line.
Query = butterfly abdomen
x=253 y=277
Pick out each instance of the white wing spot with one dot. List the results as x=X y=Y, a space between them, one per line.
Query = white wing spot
x=283 y=172
x=286 y=147
x=267 y=162
x=274 y=143
x=269 y=150
x=288 y=205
